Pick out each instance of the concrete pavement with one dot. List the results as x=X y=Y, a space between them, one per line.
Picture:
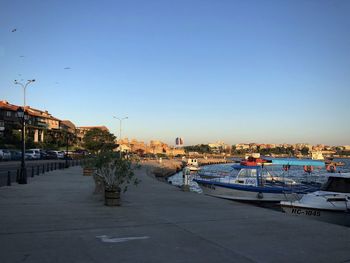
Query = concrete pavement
x=57 y=218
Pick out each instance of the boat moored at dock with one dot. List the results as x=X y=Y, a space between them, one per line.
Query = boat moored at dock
x=255 y=183
x=331 y=203
x=192 y=164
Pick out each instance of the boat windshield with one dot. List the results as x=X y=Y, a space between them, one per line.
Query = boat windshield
x=244 y=173
x=337 y=184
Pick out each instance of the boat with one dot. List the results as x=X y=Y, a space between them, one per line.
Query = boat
x=253 y=159
x=255 y=183
x=212 y=174
x=331 y=165
x=331 y=203
x=193 y=165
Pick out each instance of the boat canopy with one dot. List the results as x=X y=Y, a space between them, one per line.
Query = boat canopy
x=246 y=167
x=297 y=162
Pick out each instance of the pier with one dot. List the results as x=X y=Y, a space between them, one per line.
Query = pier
x=57 y=218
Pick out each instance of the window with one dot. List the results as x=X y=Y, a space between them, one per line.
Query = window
x=337 y=184
x=8 y=114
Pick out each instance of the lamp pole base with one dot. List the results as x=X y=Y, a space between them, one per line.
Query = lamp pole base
x=23 y=176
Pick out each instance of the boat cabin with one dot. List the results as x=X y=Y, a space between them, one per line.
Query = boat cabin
x=192 y=162
x=337 y=184
x=258 y=176
x=252 y=176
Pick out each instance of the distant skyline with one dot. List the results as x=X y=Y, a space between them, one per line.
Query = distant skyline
x=237 y=71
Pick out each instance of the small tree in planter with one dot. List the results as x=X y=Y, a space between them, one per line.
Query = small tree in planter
x=117 y=174
x=97 y=141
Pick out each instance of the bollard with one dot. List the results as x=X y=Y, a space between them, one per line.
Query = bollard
x=47 y=167
x=32 y=171
x=17 y=176
x=43 y=169
x=55 y=166
x=8 y=178
x=186 y=179
x=37 y=170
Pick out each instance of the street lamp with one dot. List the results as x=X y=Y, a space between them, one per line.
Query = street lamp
x=120 y=133
x=120 y=125
x=66 y=156
x=23 y=171
x=24 y=86
x=21 y=114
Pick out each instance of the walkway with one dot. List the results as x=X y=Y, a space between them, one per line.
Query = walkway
x=56 y=218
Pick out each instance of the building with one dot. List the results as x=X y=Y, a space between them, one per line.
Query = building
x=218 y=147
x=157 y=147
x=8 y=117
x=242 y=146
x=41 y=126
x=175 y=151
x=137 y=146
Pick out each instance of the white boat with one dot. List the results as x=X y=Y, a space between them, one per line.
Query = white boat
x=253 y=183
x=193 y=168
x=330 y=204
x=193 y=164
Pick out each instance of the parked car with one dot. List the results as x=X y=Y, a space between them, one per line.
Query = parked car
x=51 y=155
x=60 y=155
x=43 y=155
x=5 y=155
x=15 y=155
x=37 y=153
x=32 y=154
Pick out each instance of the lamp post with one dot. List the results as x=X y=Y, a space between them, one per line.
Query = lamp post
x=21 y=113
x=120 y=132
x=66 y=155
x=120 y=125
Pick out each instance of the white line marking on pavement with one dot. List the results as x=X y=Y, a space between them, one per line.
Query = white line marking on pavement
x=108 y=239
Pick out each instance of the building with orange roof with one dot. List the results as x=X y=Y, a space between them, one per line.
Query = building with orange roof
x=38 y=125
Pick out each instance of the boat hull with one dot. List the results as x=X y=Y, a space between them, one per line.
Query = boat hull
x=193 y=168
x=243 y=195
x=330 y=216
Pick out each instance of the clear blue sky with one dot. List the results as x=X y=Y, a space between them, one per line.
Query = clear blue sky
x=237 y=71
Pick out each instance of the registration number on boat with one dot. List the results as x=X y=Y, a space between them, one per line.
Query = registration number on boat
x=305 y=212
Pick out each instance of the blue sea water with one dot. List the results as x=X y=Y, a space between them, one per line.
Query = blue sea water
x=295 y=172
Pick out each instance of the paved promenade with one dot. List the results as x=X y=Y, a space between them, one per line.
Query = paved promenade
x=57 y=218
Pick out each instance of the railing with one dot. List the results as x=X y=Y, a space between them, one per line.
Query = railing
x=10 y=175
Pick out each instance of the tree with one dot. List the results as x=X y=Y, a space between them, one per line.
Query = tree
x=305 y=151
x=97 y=141
x=200 y=148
